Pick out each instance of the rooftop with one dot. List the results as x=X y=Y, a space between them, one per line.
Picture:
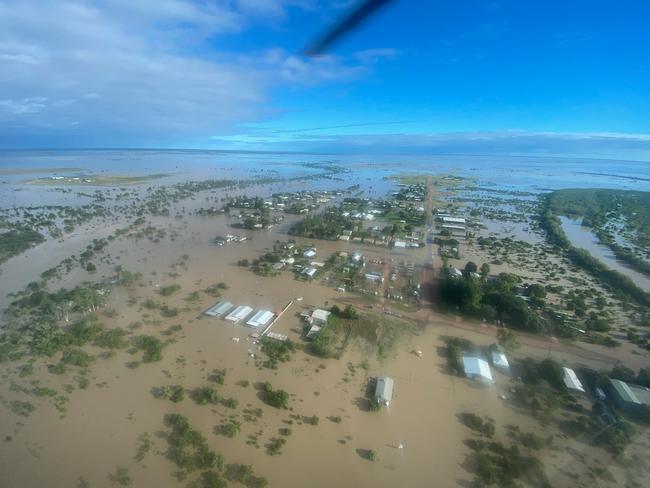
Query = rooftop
x=571 y=381
x=474 y=366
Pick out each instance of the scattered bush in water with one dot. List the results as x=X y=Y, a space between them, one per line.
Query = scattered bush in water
x=274 y=447
x=275 y=398
x=77 y=357
x=151 y=347
x=229 y=429
x=277 y=351
x=204 y=395
x=478 y=424
x=174 y=393
x=169 y=289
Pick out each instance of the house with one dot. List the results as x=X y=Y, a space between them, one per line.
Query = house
x=260 y=319
x=309 y=253
x=356 y=256
x=239 y=313
x=499 y=360
x=374 y=277
x=400 y=244
x=384 y=390
x=320 y=316
x=454 y=272
x=452 y=220
x=571 y=381
x=310 y=272
x=477 y=369
x=313 y=332
x=219 y=309
x=629 y=397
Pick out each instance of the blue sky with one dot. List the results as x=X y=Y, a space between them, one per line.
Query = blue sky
x=465 y=76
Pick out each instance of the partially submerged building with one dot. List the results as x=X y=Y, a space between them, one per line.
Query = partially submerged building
x=219 y=309
x=629 y=397
x=320 y=316
x=260 y=319
x=384 y=390
x=571 y=380
x=239 y=314
x=499 y=360
x=476 y=368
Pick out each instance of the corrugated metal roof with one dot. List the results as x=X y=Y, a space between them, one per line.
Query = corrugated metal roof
x=571 y=381
x=624 y=392
x=260 y=319
x=219 y=309
x=239 y=313
x=474 y=366
x=384 y=389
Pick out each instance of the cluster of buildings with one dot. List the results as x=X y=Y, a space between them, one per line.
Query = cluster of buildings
x=241 y=314
x=228 y=239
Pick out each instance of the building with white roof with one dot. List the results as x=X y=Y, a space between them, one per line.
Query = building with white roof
x=384 y=390
x=320 y=316
x=499 y=360
x=310 y=272
x=219 y=309
x=571 y=381
x=239 y=313
x=452 y=220
x=309 y=253
x=477 y=369
x=260 y=319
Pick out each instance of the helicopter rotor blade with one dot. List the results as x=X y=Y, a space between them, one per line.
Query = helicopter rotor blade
x=347 y=24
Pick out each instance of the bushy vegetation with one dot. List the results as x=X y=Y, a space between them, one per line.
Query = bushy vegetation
x=327 y=225
x=169 y=289
x=275 y=398
x=490 y=299
x=151 y=347
x=277 y=351
x=18 y=240
x=483 y=426
x=174 y=393
x=204 y=395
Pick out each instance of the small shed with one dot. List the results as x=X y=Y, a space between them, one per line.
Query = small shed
x=320 y=316
x=384 y=390
x=477 y=369
x=499 y=360
x=571 y=381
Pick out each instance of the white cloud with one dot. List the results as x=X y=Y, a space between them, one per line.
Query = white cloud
x=140 y=69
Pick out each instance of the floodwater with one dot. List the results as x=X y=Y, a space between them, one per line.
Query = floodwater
x=582 y=237
x=100 y=428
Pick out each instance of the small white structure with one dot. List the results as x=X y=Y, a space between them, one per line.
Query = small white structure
x=571 y=381
x=239 y=313
x=320 y=316
x=384 y=390
x=453 y=220
x=477 y=369
x=313 y=331
x=499 y=360
x=400 y=244
x=454 y=272
x=276 y=336
x=219 y=309
x=309 y=253
x=374 y=277
x=356 y=256
x=260 y=319
x=310 y=272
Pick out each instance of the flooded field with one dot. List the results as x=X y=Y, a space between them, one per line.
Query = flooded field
x=584 y=238
x=91 y=412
